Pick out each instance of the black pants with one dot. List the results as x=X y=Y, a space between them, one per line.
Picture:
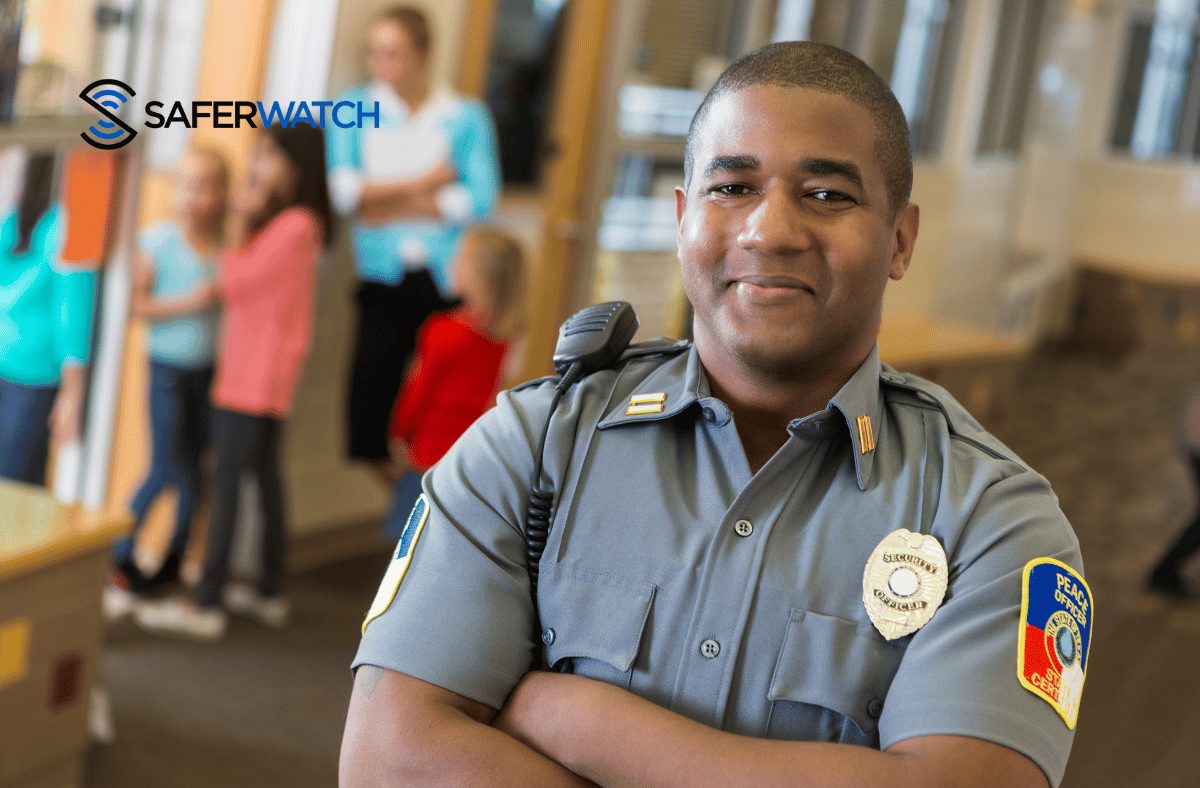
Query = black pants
x=1189 y=541
x=388 y=319
x=244 y=442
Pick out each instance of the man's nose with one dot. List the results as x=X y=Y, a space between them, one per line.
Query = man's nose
x=775 y=225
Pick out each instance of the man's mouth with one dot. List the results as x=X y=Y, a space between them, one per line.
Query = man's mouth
x=770 y=288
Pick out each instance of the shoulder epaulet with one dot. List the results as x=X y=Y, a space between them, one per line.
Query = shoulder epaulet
x=659 y=348
x=651 y=348
x=913 y=391
x=535 y=382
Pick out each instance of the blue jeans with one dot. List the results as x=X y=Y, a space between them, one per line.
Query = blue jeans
x=180 y=415
x=404 y=498
x=25 y=430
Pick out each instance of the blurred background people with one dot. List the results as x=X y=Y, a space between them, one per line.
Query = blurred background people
x=1167 y=575
x=413 y=183
x=458 y=365
x=174 y=289
x=45 y=326
x=267 y=282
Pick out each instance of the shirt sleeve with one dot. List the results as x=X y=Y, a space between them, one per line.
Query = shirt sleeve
x=959 y=675
x=475 y=155
x=271 y=256
x=458 y=614
x=152 y=240
x=74 y=294
x=343 y=155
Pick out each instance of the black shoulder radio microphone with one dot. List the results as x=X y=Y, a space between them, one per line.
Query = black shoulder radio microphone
x=591 y=339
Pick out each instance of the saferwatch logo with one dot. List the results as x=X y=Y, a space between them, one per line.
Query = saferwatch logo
x=107 y=96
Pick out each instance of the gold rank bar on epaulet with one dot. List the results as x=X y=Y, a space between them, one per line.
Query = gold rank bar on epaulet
x=866 y=439
x=640 y=404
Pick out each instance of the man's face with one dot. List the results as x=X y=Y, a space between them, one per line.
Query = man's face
x=786 y=238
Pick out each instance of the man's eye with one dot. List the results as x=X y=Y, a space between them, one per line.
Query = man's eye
x=730 y=189
x=830 y=196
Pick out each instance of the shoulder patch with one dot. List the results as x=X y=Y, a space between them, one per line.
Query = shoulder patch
x=400 y=561
x=1055 y=635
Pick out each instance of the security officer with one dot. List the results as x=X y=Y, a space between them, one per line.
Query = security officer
x=773 y=559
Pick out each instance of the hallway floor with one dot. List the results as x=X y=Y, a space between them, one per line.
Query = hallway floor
x=266 y=708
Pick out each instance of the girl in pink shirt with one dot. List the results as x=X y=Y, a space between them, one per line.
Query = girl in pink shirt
x=268 y=285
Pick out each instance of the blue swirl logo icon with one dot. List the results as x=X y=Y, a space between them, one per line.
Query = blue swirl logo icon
x=108 y=96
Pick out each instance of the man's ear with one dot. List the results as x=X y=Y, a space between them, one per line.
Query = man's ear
x=680 y=204
x=904 y=236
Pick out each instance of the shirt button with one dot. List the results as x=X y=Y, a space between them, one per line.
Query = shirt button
x=548 y=636
x=709 y=416
x=743 y=527
x=710 y=648
x=875 y=709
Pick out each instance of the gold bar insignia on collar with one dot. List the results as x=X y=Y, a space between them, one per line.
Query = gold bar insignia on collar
x=866 y=439
x=640 y=404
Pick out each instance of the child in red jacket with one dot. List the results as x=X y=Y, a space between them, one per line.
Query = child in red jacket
x=458 y=365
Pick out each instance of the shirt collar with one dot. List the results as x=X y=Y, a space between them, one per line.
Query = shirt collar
x=440 y=99
x=861 y=407
x=680 y=381
x=675 y=384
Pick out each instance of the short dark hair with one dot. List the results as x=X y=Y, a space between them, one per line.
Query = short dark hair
x=304 y=146
x=824 y=68
x=414 y=22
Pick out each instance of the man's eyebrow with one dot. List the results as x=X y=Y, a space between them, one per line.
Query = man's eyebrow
x=726 y=163
x=846 y=169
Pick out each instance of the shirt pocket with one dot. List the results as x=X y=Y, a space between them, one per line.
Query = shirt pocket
x=831 y=680
x=592 y=622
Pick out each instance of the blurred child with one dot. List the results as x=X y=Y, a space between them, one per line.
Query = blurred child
x=267 y=283
x=174 y=291
x=457 y=367
x=45 y=322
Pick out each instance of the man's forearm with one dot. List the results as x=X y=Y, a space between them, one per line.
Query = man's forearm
x=617 y=739
x=403 y=731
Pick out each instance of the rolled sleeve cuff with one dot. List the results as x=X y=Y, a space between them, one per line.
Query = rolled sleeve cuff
x=454 y=202
x=345 y=189
x=457 y=672
x=1048 y=748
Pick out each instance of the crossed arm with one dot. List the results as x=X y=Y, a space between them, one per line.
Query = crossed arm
x=409 y=199
x=562 y=730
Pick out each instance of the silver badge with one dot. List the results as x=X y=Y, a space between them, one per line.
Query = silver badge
x=904 y=582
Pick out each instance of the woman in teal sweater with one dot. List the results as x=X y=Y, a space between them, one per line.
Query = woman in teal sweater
x=45 y=335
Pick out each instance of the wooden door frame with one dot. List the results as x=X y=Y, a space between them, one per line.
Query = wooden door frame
x=566 y=180
x=478 y=24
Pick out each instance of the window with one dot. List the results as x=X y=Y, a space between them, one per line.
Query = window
x=1013 y=68
x=1158 y=108
x=911 y=44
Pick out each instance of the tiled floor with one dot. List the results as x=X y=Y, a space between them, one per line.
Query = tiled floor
x=266 y=708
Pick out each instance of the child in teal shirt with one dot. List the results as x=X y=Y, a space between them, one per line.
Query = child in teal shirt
x=174 y=292
x=45 y=336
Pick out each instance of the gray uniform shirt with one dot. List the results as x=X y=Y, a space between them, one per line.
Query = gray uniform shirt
x=732 y=598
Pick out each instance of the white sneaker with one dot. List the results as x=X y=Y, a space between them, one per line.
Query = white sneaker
x=118 y=602
x=180 y=616
x=274 y=611
x=100 y=717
